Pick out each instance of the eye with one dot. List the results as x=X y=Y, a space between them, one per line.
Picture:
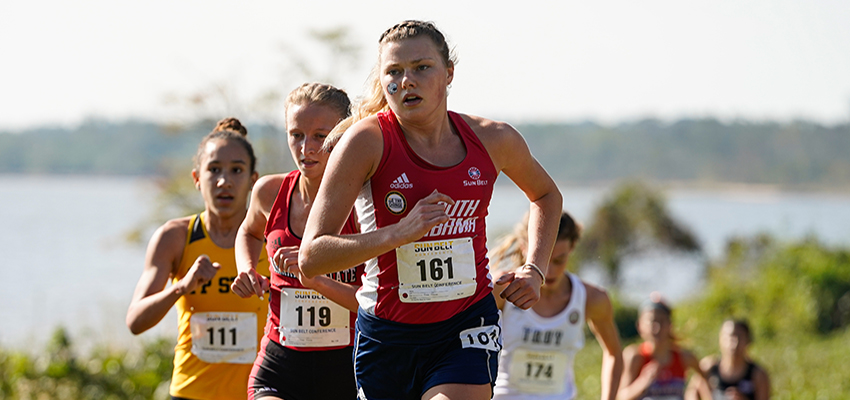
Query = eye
x=237 y=170
x=423 y=67
x=296 y=135
x=215 y=170
x=393 y=72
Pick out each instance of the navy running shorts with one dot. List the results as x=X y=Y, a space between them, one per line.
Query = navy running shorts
x=395 y=361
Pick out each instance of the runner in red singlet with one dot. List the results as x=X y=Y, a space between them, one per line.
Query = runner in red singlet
x=656 y=368
x=421 y=178
x=306 y=352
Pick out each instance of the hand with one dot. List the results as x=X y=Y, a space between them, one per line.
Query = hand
x=285 y=257
x=201 y=272
x=428 y=212
x=732 y=393
x=248 y=283
x=523 y=287
x=648 y=373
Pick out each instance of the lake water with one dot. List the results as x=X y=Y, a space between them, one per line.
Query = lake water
x=66 y=262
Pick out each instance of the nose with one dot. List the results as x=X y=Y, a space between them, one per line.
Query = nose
x=311 y=145
x=224 y=180
x=407 y=81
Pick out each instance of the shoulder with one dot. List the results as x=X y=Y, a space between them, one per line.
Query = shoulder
x=490 y=130
x=632 y=352
x=598 y=302
x=170 y=237
x=707 y=363
x=363 y=138
x=267 y=188
x=174 y=228
x=688 y=358
x=759 y=372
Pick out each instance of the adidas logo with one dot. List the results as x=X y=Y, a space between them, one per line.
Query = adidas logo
x=401 y=183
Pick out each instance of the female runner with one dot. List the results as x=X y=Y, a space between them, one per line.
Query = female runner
x=656 y=368
x=421 y=178
x=540 y=343
x=306 y=352
x=218 y=333
x=733 y=376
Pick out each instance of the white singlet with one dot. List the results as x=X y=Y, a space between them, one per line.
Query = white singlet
x=537 y=355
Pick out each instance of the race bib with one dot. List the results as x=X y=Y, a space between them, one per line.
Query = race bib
x=439 y=270
x=484 y=337
x=309 y=319
x=538 y=372
x=224 y=337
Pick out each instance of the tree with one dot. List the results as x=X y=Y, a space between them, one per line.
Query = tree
x=633 y=219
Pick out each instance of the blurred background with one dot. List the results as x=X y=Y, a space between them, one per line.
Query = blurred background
x=703 y=144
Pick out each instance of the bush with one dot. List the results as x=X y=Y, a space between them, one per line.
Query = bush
x=106 y=374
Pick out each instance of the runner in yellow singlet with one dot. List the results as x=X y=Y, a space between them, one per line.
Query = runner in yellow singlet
x=218 y=332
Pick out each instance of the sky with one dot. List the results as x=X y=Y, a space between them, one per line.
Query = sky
x=608 y=61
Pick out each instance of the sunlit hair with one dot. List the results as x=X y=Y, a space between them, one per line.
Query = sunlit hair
x=374 y=101
x=510 y=252
x=321 y=94
x=228 y=129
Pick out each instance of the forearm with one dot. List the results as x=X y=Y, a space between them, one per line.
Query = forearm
x=612 y=369
x=148 y=311
x=543 y=228
x=338 y=292
x=331 y=253
x=247 y=249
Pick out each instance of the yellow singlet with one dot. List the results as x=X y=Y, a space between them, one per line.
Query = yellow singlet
x=219 y=332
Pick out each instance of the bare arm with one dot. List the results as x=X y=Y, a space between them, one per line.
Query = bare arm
x=510 y=154
x=600 y=319
x=249 y=240
x=699 y=375
x=635 y=380
x=695 y=387
x=762 y=382
x=151 y=300
x=351 y=164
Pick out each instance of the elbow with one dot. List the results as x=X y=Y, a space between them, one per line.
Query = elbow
x=134 y=324
x=306 y=263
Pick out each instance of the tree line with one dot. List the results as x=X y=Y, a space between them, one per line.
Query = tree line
x=798 y=155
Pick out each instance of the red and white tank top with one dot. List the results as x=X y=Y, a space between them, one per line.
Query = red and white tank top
x=301 y=318
x=447 y=270
x=669 y=384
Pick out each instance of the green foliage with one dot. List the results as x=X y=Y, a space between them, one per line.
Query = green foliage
x=784 y=289
x=632 y=220
x=106 y=374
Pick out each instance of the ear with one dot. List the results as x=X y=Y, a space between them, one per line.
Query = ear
x=196 y=178
x=450 y=70
x=254 y=177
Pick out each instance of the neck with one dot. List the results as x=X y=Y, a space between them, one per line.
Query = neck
x=429 y=130
x=307 y=189
x=561 y=285
x=223 y=225
x=733 y=362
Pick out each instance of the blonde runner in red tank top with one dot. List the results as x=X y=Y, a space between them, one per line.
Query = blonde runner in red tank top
x=448 y=266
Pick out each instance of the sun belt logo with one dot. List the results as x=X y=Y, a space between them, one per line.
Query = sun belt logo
x=401 y=182
x=475 y=175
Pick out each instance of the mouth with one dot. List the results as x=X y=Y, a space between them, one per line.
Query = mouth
x=411 y=100
x=225 y=197
x=309 y=163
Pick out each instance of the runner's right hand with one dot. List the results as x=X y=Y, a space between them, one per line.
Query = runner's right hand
x=250 y=283
x=201 y=272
